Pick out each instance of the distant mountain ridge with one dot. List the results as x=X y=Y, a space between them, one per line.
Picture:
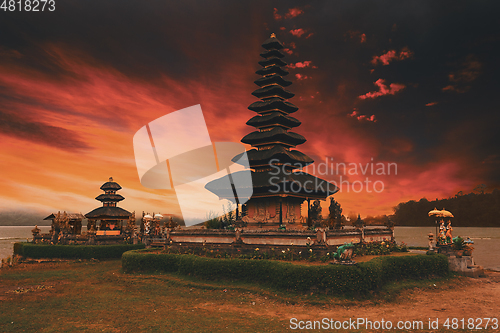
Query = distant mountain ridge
x=29 y=218
x=18 y=218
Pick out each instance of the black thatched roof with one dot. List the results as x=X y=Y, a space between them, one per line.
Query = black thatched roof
x=108 y=212
x=272 y=53
x=110 y=186
x=265 y=184
x=272 y=61
x=272 y=91
x=274 y=118
x=272 y=79
x=273 y=104
x=71 y=216
x=109 y=197
x=272 y=70
x=262 y=157
x=272 y=44
x=277 y=134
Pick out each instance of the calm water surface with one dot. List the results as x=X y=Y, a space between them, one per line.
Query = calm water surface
x=13 y=234
x=486 y=240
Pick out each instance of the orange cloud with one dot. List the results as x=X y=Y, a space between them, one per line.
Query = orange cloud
x=411 y=182
x=383 y=89
x=302 y=77
x=431 y=104
x=391 y=55
x=302 y=64
x=362 y=117
x=297 y=32
x=292 y=12
x=276 y=16
x=64 y=136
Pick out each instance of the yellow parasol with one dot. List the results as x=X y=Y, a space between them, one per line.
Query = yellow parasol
x=435 y=212
x=440 y=213
x=447 y=213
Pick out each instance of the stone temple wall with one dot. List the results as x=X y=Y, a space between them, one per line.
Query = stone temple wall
x=256 y=237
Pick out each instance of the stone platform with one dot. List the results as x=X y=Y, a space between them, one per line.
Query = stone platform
x=463 y=265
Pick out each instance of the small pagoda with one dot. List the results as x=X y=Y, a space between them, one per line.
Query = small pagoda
x=279 y=187
x=109 y=215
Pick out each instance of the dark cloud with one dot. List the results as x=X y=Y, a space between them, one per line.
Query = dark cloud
x=215 y=43
x=462 y=78
x=40 y=133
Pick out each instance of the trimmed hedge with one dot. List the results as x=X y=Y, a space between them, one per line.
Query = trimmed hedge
x=337 y=279
x=37 y=251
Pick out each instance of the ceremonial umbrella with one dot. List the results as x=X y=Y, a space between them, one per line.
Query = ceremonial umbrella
x=435 y=212
x=446 y=213
x=440 y=213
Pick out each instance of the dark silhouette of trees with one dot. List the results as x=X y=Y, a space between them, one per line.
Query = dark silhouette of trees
x=470 y=210
x=335 y=219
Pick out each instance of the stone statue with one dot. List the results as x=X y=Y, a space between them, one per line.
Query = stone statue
x=449 y=237
x=335 y=216
x=35 y=232
x=442 y=234
x=431 y=239
x=315 y=212
x=131 y=223
x=344 y=252
x=65 y=223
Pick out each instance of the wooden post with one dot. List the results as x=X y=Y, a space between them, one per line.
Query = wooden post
x=237 y=211
x=308 y=212
x=281 y=211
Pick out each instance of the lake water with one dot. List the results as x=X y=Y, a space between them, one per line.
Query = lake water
x=13 y=234
x=486 y=240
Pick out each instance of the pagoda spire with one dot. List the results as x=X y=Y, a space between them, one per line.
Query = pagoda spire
x=273 y=139
x=278 y=191
x=110 y=198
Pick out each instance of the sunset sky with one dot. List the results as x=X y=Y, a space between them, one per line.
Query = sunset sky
x=413 y=83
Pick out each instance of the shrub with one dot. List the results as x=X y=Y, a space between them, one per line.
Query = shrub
x=337 y=279
x=18 y=248
x=73 y=251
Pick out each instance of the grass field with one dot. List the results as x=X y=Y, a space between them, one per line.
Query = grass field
x=95 y=296
x=90 y=296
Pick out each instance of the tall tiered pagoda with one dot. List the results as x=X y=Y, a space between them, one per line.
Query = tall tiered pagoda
x=109 y=215
x=279 y=187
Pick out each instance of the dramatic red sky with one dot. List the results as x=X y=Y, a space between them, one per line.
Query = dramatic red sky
x=413 y=83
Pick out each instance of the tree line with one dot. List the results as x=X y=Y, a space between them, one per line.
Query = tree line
x=469 y=210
